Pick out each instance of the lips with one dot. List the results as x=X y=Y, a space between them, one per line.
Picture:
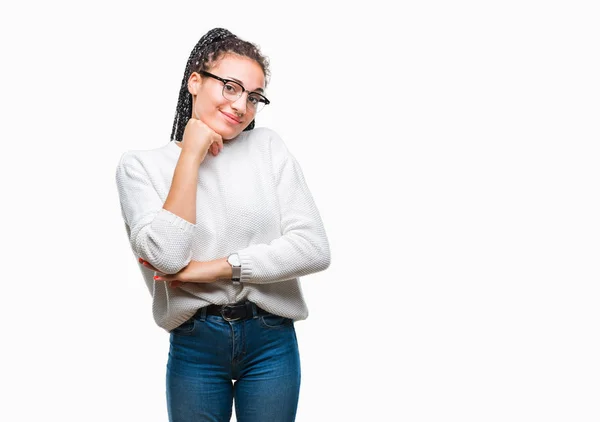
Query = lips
x=231 y=118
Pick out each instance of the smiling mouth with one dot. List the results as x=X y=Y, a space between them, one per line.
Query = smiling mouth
x=231 y=117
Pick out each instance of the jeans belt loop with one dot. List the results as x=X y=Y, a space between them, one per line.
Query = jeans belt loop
x=254 y=310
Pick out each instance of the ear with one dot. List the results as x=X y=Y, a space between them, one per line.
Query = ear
x=194 y=83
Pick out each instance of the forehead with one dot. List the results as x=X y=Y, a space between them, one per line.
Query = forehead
x=232 y=66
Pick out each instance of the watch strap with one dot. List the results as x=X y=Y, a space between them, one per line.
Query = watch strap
x=236 y=267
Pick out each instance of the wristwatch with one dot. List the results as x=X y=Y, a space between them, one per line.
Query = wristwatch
x=236 y=267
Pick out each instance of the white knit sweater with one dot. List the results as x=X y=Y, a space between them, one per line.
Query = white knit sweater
x=252 y=199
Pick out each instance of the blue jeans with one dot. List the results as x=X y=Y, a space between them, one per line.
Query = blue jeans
x=208 y=353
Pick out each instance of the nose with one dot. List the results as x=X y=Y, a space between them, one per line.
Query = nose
x=240 y=103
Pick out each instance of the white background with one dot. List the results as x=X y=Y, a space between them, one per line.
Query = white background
x=451 y=147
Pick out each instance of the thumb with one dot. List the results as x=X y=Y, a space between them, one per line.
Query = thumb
x=164 y=277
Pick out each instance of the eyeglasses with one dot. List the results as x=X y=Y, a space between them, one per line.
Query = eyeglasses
x=233 y=90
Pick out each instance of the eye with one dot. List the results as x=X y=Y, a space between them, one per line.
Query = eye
x=229 y=87
x=254 y=99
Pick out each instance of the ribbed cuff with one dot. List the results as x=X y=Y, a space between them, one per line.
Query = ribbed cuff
x=246 y=267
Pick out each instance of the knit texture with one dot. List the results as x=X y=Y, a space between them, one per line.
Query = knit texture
x=252 y=199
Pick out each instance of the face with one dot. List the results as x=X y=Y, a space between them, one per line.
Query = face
x=225 y=117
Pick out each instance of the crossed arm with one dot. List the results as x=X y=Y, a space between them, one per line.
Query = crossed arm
x=194 y=272
x=161 y=237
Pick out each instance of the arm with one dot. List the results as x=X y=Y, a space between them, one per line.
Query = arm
x=156 y=234
x=195 y=272
x=303 y=247
x=162 y=233
x=197 y=140
x=181 y=199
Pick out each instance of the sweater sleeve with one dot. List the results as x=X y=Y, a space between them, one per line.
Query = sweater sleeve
x=155 y=234
x=303 y=247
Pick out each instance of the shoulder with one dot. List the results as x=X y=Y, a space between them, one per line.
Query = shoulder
x=137 y=157
x=261 y=134
x=267 y=139
x=144 y=163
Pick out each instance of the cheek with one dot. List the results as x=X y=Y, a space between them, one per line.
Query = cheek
x=206 y=105
x=212 y=103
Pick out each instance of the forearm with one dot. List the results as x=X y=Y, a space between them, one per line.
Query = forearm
x=223 y=269
x=285 y=258
x=199 y=272
x=156 y=234
x=181 y=199
x=302 y=247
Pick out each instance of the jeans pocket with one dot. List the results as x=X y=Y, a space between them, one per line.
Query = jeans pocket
x=185 y=328
x=274 y=321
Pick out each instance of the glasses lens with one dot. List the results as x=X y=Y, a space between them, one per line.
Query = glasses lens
x=232 y=91
x=256 y=102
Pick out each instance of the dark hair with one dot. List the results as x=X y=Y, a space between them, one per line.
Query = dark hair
x=211 y=47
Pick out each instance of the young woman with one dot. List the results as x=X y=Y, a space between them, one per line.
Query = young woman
x=224 y=225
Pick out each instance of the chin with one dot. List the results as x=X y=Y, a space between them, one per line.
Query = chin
x=229 y=133
x=224 y=131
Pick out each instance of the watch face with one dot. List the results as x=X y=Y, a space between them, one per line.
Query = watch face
x=234 y=260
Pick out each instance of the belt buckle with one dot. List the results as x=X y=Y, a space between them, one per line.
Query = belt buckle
x=226 y=312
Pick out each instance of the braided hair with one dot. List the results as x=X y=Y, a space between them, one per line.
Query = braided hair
x=210 y=48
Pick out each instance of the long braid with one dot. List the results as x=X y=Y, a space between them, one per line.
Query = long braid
x=210 y=47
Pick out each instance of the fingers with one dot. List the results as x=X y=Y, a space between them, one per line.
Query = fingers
x=162 y=277
x=146 y=264
x=166 y=277
x=219 y=141
x=217 y=146
x=169 y=279
x=199 y=138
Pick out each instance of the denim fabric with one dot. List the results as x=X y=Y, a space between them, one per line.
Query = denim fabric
x=214 y=363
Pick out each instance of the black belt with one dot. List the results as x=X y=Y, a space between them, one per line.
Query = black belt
x=235 y=311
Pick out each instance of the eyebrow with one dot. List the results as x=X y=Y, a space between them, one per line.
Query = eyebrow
x=242 y=84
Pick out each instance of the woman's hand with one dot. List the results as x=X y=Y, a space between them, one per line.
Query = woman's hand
x=198 y=139
x=195 y=272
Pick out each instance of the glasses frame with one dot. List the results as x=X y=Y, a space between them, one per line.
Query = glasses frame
x=264 y=99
